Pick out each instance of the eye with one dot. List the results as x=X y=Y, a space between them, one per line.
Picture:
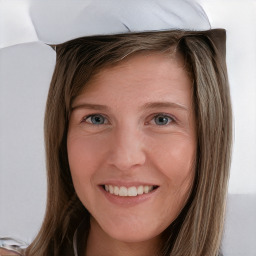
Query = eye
x=96 y=119
x=162 y=119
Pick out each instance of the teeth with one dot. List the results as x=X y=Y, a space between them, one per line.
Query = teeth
x=116 y=190
x=122 y=191
x=146 y=189
x=140 y=190
x=131 y=191
x=111 y=189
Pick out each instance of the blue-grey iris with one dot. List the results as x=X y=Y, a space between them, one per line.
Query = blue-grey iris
x=97 y=119
x=162 y=120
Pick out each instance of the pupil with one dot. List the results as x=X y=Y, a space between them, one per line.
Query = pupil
x=161 y=120
x=97 y=120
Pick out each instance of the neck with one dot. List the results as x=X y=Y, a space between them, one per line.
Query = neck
x=101 y=244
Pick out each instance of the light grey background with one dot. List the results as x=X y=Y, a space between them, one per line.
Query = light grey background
x=25 y=73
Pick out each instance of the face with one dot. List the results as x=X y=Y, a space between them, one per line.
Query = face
x=131 y=146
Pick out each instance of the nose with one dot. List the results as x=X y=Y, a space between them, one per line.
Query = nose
x=127 y=149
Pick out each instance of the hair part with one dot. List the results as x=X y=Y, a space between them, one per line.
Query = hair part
x=198 y=228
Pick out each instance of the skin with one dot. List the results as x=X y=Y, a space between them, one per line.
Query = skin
x=131 y=146
x=7 y=252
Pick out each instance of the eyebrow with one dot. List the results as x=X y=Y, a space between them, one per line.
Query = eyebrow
x=148 y=105
x=90 y=106
x=161 y=104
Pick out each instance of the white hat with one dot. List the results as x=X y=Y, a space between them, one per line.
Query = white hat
x=57 y=21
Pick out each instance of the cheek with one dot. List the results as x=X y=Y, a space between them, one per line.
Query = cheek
x=174 y=156
x=84 y=160
x=82 y=153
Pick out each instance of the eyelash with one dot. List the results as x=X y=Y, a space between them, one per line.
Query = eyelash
x=171 y=119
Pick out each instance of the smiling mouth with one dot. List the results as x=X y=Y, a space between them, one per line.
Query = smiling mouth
x=129 y=191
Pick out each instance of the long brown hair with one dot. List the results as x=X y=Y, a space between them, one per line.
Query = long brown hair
x=197 y=231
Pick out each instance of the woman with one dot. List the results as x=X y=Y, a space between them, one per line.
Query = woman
x=138 y=137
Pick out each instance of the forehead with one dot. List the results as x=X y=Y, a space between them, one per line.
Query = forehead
x=141 y=76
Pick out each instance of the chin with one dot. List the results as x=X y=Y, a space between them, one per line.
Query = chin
x=132 y=231
x=131 y=236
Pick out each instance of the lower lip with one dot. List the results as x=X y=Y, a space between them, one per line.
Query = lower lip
x=128 y=201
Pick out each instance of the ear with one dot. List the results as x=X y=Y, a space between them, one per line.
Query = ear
x=218 y=37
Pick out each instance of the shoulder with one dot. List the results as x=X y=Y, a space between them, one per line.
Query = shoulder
x=5 y=252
